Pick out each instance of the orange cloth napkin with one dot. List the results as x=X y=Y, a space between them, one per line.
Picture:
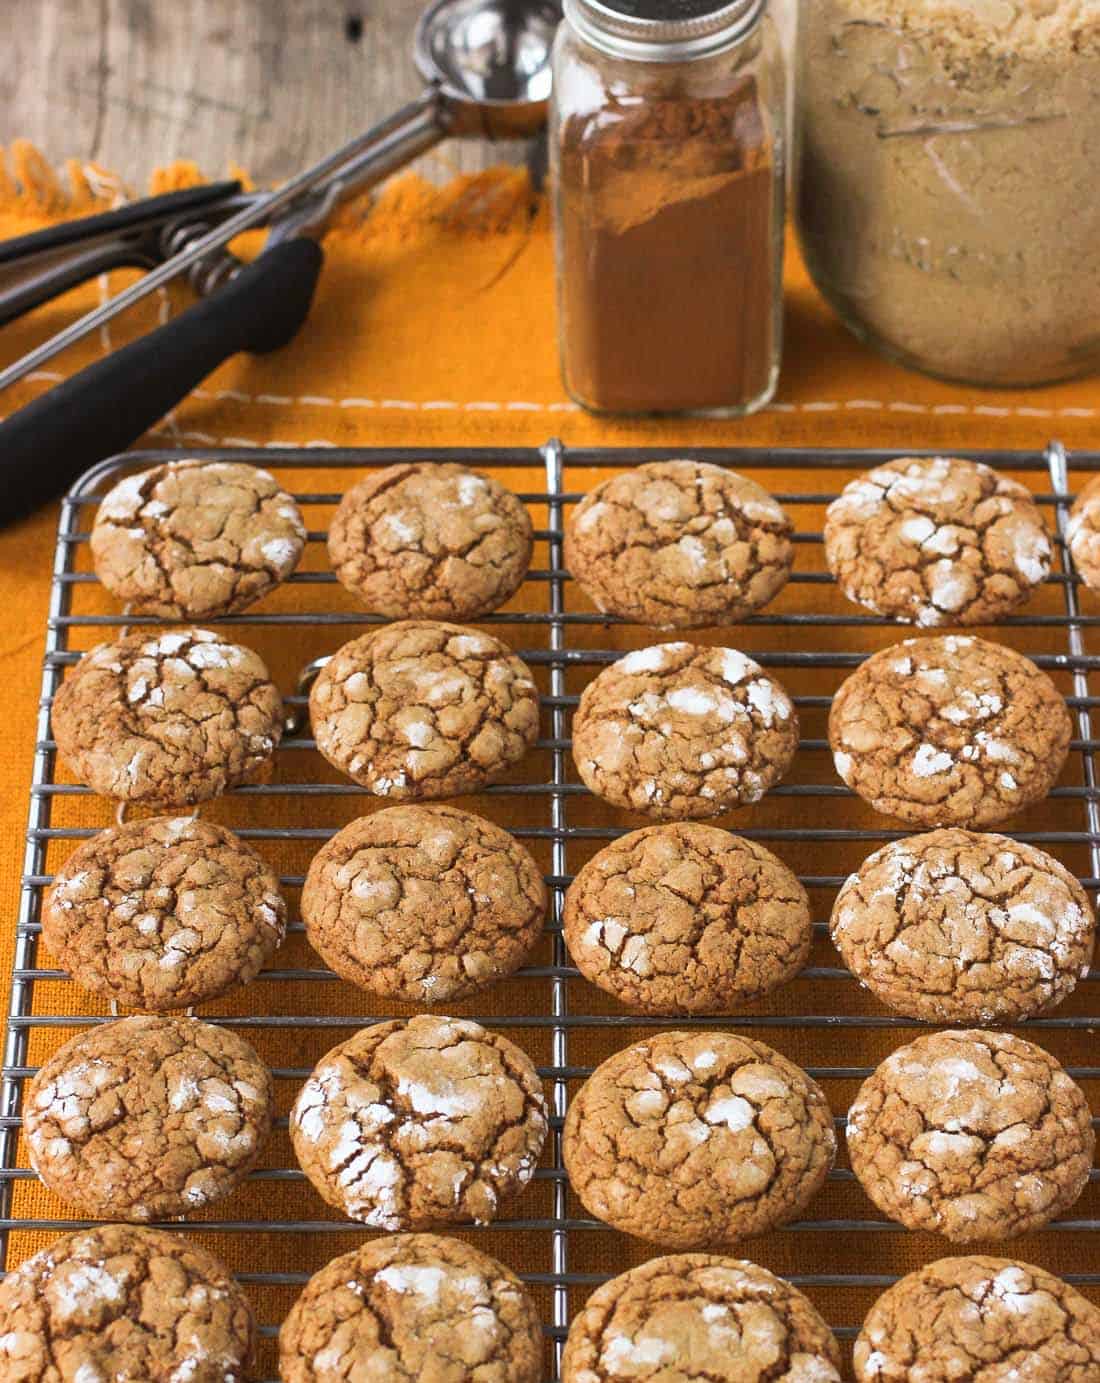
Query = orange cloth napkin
x=434 y=325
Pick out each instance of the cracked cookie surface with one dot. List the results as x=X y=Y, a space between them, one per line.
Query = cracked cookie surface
x=679 y=544
x=432 y=540
x=148 y=1117
x=168 y=719
x=697 y=1316
x=420 y=1122
x=117 y=1303
x=196 y=539
x=163 y=913
x=949 y=731
x=412 y=1307
x=677 y=732
x=686 y=918
x=1083 y=534
x=937 y=540
x=691 y=1139
x=422 y=709
x=423 y=903
x=972 y=1135
x=984 y=1318
x=959 y=927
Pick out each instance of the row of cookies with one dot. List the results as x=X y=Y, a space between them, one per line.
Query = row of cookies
x=671 y=544
x=426 y=904
x=685 y=1139
x=946 y=730
x=429 y=1307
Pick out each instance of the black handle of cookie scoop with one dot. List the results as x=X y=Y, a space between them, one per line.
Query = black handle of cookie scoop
x=106 y=407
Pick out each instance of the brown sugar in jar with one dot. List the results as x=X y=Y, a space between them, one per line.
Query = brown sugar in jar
x=668 y=159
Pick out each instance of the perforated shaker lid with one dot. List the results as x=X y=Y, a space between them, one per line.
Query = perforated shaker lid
x=664 y=30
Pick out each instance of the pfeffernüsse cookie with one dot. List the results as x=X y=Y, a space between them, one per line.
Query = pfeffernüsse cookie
x=420 y=1122
x=686 y=918
x=423 y=903
x=679 y=544
x=168 y=720
x=681 y=732
x=949 y=731
x=196 y=539
x=937 y=540
x=690 y=1139
x=430 y=540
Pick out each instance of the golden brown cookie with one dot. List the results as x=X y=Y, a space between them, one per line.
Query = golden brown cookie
x=196 y=539
x=420 y=1122
x=936 y=540
x=423 y=903
x=679 y=544
x=696 y=1316
x=163 y=913
x=949 y=731
x=421 y=709
x=690 y=1139
x=430 y=540
x=168 y=719
x=982 y=1319
x=412 y=1306
x=686 y=918
x=147 y=1118
x=682 y=732
x=972 y=1135
x=115 y=1303
x=1083 y=534
x=960 y=927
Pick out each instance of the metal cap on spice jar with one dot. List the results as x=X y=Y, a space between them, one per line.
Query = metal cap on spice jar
x=663 y=30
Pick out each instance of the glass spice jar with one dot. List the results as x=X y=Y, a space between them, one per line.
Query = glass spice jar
x=668 y=156
x=947 y=188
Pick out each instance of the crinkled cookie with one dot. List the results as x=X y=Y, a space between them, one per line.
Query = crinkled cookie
x=163 y=913
x=682 y=732
x=949 y=731
x=421 y=709
x=169 y=719
x=116 y=1302
x=1083 y=533
x=679 y=544
x=196 y=539
x=147 y=1118
x=686 y=918
x=980 y=1318
x=430 y=540
x=964 y=927
x=696 y=1316
x=690 y=1139
x=420 y=1122
x=423 y=903
x=937 y=540
x=412 y=1306
x=972 y=1135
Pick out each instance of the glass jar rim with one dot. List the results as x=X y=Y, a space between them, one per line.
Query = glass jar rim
x=663 y=40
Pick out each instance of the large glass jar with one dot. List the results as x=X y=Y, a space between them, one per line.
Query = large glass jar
x=667 y=154
x=948 y=180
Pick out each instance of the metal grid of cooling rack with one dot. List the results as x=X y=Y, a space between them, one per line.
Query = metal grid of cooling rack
x=793 y=649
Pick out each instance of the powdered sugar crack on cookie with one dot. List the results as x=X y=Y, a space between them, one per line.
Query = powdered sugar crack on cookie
x=679 y=732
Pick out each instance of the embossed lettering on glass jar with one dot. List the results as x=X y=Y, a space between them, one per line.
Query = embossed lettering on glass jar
x=668 y=156
x=948 y=203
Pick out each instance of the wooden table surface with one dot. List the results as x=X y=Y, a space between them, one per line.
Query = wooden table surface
x=272 y=84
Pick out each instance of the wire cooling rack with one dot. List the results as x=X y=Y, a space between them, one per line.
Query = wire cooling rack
x=844 y=1255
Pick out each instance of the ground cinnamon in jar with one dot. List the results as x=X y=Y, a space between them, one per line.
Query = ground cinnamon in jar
x=669 y=226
